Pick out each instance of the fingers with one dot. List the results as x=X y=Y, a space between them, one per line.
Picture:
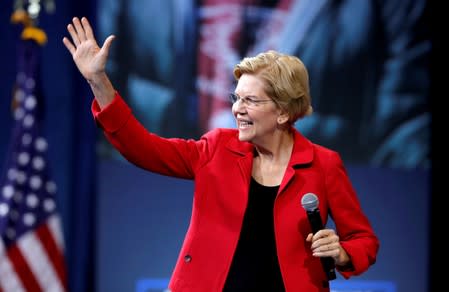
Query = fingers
x=87 y=28
x=69 y=45
x=325 y=248
x=309 y=237
x=107 y=44
x=325 y=235
x=325 y=243
x=79 y=29
x=73 y=35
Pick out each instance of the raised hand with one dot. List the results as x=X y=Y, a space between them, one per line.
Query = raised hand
x=88 y=56
x=91 y=59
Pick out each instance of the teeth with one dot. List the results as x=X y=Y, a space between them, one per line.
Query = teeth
x=245 y=124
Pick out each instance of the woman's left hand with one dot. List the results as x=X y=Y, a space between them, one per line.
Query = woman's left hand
x=326 y=243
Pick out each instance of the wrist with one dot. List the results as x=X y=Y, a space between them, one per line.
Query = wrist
x=96 y=79
x=343 y=258
x=102 y=89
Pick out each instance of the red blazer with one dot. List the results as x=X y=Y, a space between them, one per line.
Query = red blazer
x=220 y=165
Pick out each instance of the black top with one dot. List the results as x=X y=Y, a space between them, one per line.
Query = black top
x=255 y=265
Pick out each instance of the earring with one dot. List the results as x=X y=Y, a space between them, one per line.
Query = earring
x=281 y=120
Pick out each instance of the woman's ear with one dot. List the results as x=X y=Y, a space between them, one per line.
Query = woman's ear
x=282 y=118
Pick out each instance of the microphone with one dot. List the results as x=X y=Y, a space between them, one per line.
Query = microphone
x=310 y=203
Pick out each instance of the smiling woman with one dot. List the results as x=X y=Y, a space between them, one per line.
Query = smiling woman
x=285 y=80
x=271 y=164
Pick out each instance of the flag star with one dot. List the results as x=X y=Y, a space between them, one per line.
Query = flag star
x=38 y=163
x=26 y=139
x=40 y=144
x=32 y=201
x=12 y=174
x=23 y=158
x=19 y=113
x=35 y=182
x=4 y=209
x=30 y=102
x=49 y=205
x=21 y=177
x=29 y=219
x=7 y=191
x=50 y=186
x=28 y=121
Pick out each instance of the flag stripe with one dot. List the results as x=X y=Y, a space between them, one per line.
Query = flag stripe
x=54 y=225
x=23 y=270
x=53 y=252
x=8 y=277
x=35 y=254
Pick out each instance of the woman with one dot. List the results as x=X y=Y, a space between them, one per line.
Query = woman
x=248 y=230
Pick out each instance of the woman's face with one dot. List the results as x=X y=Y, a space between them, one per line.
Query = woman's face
x=255 y=112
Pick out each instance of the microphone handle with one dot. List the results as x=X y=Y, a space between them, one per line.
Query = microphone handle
x=327 y=262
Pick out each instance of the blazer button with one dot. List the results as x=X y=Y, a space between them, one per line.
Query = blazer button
x=187 y=258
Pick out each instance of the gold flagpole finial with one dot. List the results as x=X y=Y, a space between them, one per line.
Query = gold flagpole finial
x=26 y=12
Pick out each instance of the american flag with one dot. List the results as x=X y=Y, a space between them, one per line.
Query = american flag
x=31 y=238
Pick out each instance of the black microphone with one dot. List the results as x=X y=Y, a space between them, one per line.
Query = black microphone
x=310 y=203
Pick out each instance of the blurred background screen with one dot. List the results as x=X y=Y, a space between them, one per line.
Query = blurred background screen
x=369 y=74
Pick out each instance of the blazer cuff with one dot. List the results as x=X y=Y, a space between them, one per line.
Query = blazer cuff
x=113 y=117
x=359 y=261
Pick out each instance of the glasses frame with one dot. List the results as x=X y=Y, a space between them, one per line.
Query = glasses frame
x=250 y=101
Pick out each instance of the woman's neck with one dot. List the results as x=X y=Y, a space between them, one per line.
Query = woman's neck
x=271 y=161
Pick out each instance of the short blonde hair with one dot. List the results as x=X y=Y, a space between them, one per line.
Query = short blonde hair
x=286 y=81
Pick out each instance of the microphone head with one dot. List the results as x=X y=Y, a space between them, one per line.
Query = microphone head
x=310 y=202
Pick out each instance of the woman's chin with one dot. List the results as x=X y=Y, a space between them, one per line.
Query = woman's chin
x=244 y=137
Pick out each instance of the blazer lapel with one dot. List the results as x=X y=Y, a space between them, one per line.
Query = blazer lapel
x=302 y=154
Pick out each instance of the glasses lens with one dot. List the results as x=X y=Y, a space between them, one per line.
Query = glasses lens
x=233 y=97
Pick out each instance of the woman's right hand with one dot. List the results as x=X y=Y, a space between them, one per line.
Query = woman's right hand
x=88 y=56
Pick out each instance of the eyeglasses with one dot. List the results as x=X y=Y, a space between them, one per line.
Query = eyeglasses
x=249 y=101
